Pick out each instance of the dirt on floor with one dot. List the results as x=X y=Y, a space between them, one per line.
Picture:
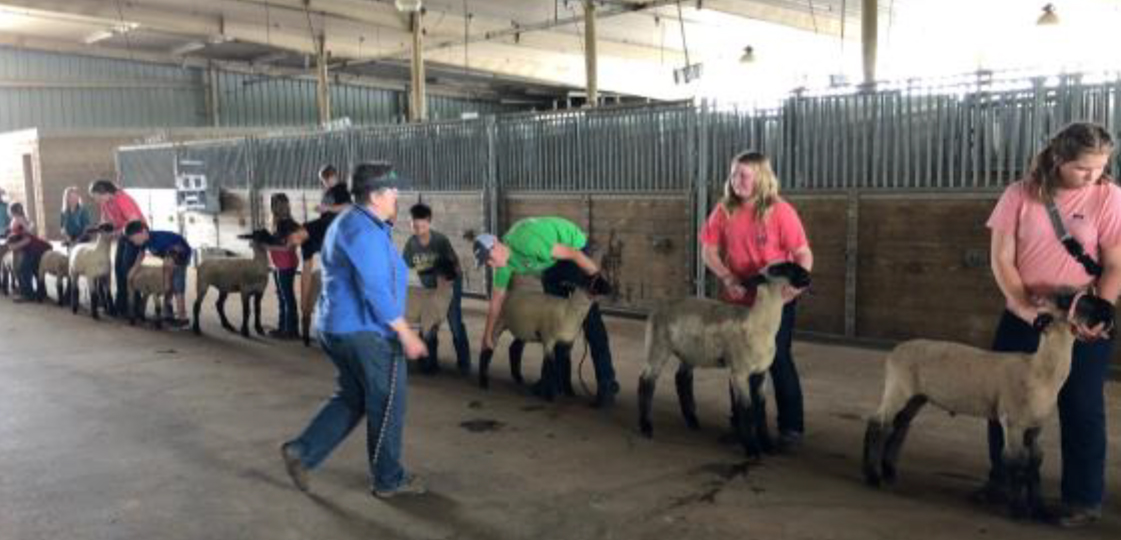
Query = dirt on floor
x=116 y=432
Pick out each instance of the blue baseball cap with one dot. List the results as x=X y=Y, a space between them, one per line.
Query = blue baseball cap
x=483 y=244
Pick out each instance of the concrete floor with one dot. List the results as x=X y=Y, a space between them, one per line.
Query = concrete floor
x=112 y=432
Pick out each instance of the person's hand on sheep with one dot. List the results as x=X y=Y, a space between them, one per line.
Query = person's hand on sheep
x=789 y=293
x=488 y=342
x=736 y=291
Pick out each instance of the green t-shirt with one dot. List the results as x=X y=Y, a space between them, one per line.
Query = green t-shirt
x=531 y=242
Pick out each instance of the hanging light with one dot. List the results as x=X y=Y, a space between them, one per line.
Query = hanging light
x=748 y=55
x=1049 y=17
x=410 y=6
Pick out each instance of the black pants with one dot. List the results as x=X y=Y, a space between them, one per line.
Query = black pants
x=784 y=376
x=1081 y=413
x=559 y=280
x=125 y=258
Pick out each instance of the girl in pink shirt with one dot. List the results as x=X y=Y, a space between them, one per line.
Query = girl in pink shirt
x=1028 y=262
x=118 y=208
x=751 y=228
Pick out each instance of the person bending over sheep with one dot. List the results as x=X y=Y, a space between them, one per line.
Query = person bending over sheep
x=1028 y=261
x=430 y=253
x=751 y=228
x=556 y=249
x=31 y=249
x=176 y=255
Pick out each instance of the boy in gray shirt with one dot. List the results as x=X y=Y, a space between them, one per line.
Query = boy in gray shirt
x=432 y=256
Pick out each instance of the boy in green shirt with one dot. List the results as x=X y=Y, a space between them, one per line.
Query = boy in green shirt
x=555 y=249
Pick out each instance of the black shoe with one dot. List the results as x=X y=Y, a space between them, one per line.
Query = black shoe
x=605 y=397
x=992 y=493
x=295 y=466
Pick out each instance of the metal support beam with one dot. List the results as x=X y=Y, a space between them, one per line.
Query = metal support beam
x=869 y=30
x=323 y=92
x=418 y=102
x=591 y=57
x=213 y=102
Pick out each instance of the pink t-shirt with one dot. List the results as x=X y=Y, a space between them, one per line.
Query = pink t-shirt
x=1091 y=214
x=120 y=209
x=747 y=245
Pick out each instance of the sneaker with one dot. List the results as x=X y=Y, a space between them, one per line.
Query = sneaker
x=789 y=441
x=1073 y=517
x=410 y=485
x=295 y=465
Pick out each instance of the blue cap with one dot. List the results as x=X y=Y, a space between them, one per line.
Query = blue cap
x=483 y=244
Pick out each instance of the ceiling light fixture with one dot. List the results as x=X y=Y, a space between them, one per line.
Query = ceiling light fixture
x=188 y=48
x=410 y=6
x=97 y=37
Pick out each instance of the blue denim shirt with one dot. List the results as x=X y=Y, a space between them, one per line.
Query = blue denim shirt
x=365 y=280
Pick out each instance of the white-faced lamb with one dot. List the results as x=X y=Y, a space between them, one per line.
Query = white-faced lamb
x=8 y=265
x=57 y=265
x=248 y=277
x=705 y=333
x=91 y=261
x=144 y=283
x=554 y=322
x=1018 y=390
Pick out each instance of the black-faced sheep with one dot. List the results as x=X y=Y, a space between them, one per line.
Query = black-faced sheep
x=1018 y=390
x=704 y=333
x=249 y=277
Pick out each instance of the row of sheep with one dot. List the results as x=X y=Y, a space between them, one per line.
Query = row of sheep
x=1018 y=390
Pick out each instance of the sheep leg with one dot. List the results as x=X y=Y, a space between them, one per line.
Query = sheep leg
x=430 y=364
x=96 y=290
x=484 y=366
x=759 y=409
x=257 y=313
x=220 y=305
x=899 y=427
x=743 y=414
x=515 y=353
x=562 y=352
x=245 y=314
x=195 y=310
x=305 y=327
x=1016 y=462
x=137 y=311
x=1034 y=493
x=159 y=311
x=685 y=397
x=75 y=291
x=546 y=387
x=873 y=451
x=59 y=290
x=646 y=385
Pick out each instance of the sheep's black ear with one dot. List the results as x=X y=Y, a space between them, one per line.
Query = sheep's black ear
x=1042 y=322
x=598 y=286
x=754 y=281
x=1063 y=300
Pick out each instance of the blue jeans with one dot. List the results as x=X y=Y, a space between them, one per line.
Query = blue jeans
x=371 y=377
x=122 y=263
x=458 y=330
x=784 y=376
x=29 y=273
x=1081 y=413
x=558 y=280
x=286 y=295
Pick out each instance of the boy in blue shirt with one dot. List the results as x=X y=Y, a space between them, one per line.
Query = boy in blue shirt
x=176 y=255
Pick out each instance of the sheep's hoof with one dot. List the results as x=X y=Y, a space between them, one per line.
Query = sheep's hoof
x=260 y=331
x=229 y=328
x=647 y=429
x=484 y=382
x=693 y=423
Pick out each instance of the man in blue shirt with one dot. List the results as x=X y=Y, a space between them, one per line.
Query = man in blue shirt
x=360 y=316
x=176 y=255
